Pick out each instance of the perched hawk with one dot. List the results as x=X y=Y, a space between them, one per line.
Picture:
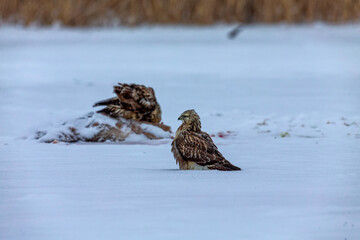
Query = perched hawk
x=194 y=149
x=133 y=101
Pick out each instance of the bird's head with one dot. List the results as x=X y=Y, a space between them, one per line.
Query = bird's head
x=189 y=116
x=191 y=121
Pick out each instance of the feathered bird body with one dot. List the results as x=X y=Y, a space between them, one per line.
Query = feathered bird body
x=194 y=149
x=133 y=101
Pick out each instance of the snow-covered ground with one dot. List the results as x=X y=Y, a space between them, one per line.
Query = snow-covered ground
x=283 y=103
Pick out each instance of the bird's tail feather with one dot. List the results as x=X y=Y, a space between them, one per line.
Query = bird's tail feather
x=112 y=101
x=227 y=167
x=234 y=168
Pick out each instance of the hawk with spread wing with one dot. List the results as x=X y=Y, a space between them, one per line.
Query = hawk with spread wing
x=194 y=149
x=133 y=101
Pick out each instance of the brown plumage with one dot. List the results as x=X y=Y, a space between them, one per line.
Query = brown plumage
x=133 y=101
x=194 y=149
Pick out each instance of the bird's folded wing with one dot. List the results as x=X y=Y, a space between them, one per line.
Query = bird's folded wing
x=199 y=148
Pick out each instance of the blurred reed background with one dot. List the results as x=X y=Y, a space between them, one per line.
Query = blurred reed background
x=134 y=12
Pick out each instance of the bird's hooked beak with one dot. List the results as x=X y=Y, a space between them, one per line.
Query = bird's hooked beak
x=181 y=117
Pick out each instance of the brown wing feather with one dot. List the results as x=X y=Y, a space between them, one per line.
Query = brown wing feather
x=115 y=111
x=128 y=96
x=133 y=101
x=136 y=97
x=198 y=147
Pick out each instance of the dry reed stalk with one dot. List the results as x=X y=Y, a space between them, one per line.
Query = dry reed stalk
x=133 y=12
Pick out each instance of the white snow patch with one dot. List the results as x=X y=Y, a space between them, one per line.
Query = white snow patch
x=83 y=126
x=89 y=125
x=155 y=131
x=296 y=78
